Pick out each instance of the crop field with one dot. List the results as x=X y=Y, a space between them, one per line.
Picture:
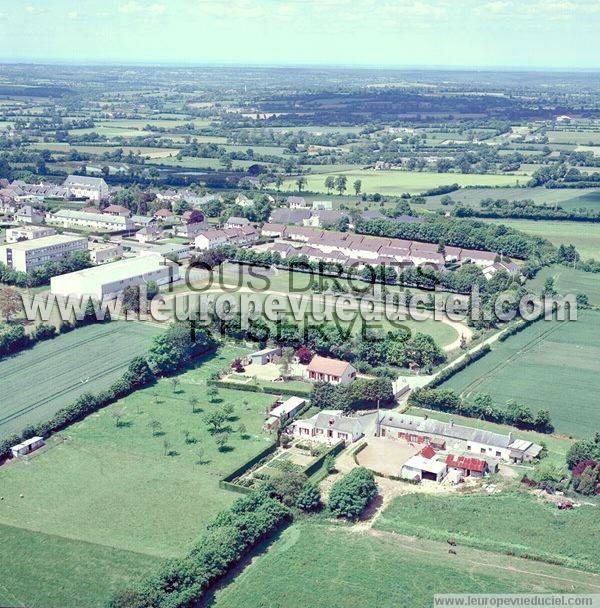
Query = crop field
x=397 y=182
x=351 y=568
x=568 y=281
x=39 y=381
x=550 y=365
x=132 y=485
x=574 y=137
x=588 y=197
x=513 y=523
x=584 y=235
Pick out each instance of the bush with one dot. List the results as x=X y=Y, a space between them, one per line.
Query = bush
x=181 y=582
x=352 y=493
x=309 y=498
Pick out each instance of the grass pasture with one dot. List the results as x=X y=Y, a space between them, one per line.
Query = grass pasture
x=38 y=381
x=550 y=365
x=584 y=235
x=512 y=523
x=130 y=494
x=397 y=182
x=568 y=281
x=348 y=568
x=88 y=573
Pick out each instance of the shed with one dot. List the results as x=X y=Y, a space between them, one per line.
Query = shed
x=26 y=447
x=264 y=356
x=419 y=468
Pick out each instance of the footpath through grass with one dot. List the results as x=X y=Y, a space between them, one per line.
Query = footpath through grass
x=336 y=567
x=513 y=523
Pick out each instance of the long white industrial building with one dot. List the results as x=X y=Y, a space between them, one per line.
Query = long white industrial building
x=108 y=280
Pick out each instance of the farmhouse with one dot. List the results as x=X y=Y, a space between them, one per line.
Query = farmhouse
x=335 y=371
x=418 y=467
x=108 y=280
x=415 y=429
x=68 y=218
x=80 y=186
x=27 y=232
x=27 y=255
x=331 y=426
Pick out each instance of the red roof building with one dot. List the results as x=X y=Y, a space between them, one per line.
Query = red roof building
x=428 y=452
x=475 y=467
x=322 y=369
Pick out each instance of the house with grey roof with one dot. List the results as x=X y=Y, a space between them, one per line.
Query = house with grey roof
x=283 y=215
x=331 y=426
x=83 y=186
x=448 y=435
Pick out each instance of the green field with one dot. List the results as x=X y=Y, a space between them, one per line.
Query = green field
x=566 y=198
x=39 y=381
x=584 y=235
x=574 y=137
x=114 y=488
x=33 y=562
x=318 y=566
x=550 y=365
x=294 y=285
x=397 y=182
x=512 y=523
x=568 y=281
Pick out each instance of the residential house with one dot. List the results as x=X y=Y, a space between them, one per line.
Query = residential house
x=243 y=201
x=29 y=215
x=191 y=231
x=81 y=186
x=335 y=371
x=164 y=215
x=102 y=222
x=237 y=222
x=117 y=210
x=149 y=234
x=331 y=426
x=286 y=216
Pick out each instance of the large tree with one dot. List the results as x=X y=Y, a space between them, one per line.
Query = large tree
x=10 y=302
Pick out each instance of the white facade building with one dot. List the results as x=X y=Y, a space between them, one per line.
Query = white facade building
x=81 y=186
x=108 y=280
x=28 y=255
x=95 y=221
x=28 y=232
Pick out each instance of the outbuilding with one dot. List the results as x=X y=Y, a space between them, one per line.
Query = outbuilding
x=27 y=446
x=418 y=467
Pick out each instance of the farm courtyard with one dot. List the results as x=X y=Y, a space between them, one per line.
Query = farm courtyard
x=128 y=486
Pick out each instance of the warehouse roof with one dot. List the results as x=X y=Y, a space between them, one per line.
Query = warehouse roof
x=118 y=271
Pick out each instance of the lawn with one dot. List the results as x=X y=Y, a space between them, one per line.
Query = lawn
x=336 y=567
x=129 y=489
x=550 y=365
x=513 y=523
x=584 y=235
x=397 y=182
x=39 y=381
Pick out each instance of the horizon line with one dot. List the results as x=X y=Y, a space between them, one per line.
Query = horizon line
x=293 y=65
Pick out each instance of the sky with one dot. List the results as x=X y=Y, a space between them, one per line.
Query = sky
x=556 y=34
